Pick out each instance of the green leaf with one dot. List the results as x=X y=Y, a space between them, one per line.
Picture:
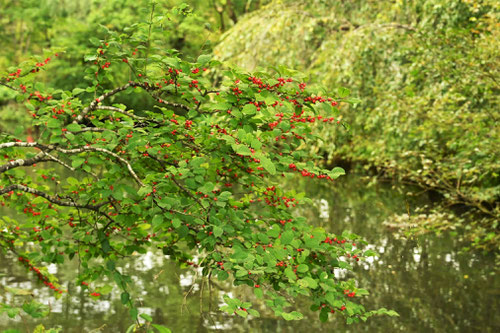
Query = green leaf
x=87 y=136
x=77 y=91
x=336 y=172
x=323 y=315
x=353 y=101
x=94 y=41
x=392 y=313
x=207 y=188
x=239 y=254
x=313 y=284
x=253 y=312
x=73 y=127
x=241 y=273
x=287 y=237
x=268 y=165
x=302 y=268
x=146 y=317
x=89 y=57
x=242 y=150
x=343 y=92
x=292 y=315
x=361 y=292
x=133 y=313
x=242 y=313
x=70 y=136
x=249 y=109
x=77 y=162
x=53 y=123
x=13 y=312
x=290 y=274
x=369 y=253
x=256 y=144
x=35 y=309
x=273 y=232
x=125 y=297
x=203 y=59
x=334 y=302
x=218 y=231
x=222 y=275
x=131 y=328
x=19 y=292
x=106 y=247
x=105 y=290
x=157 y=220
x=176 y=223
x=161 y=329
x=144 y=190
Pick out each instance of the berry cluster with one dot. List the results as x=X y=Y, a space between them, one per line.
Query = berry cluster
x=41 y=277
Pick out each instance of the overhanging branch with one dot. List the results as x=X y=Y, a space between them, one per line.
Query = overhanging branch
x=50 y=198
x=46 y=148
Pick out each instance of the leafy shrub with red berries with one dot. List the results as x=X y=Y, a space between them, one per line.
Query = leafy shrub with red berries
x=197 y=171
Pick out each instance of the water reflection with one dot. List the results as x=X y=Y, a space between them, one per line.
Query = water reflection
x=432 y=287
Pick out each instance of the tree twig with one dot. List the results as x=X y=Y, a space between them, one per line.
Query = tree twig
x=50 y=198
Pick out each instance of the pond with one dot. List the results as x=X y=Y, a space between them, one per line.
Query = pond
x=433 y=286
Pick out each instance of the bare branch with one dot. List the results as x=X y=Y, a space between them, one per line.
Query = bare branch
x=55 y=159
x=175 y=105
x=21 y=162
x=18 y=144
x=94 y=104
x=102 y=150
x=115 y=109
x=92 y=129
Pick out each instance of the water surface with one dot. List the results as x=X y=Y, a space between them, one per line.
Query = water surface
x=425 y=279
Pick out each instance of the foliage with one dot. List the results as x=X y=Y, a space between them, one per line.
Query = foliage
x=196 y=175
x=28 y=27
x=427 y=75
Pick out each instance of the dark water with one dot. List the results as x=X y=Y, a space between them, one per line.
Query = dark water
x=426 y=280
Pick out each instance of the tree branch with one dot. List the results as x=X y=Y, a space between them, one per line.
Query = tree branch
x=8 y=86
x=18 y=144
x=40 y=156
x=102 y=150
x=94 y=104
x=55 y=159
x=92 y=129
x=115 y=109
x=21 y=162
x=50 y=198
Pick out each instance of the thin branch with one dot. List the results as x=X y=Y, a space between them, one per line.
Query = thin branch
x=397 y=26
x=38 y=157
x=8 y=86
x=18 y=144
x=92 y=129
x=149 y=38
x=102 y=150
x=50 y=198
x=385 y=25
x=175 y=105
x=115 y=109
x=21 y=162
x=55 y=159
x=188 y=192
x=94 y=104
